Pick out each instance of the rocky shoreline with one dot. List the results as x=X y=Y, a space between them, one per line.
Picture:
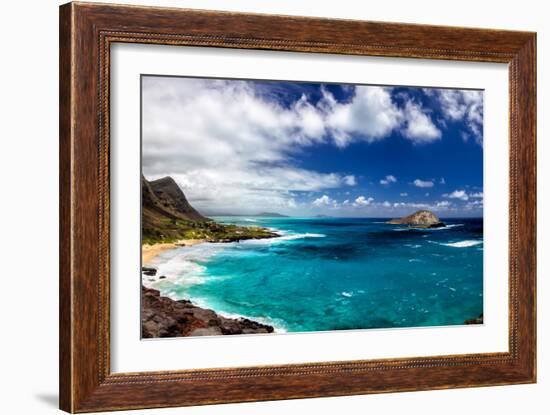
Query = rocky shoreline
x=477 y=320
x=164 y=317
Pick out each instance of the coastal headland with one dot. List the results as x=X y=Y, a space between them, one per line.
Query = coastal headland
x=170 y=222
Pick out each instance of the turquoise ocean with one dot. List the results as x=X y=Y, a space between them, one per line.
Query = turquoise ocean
x=334 y=274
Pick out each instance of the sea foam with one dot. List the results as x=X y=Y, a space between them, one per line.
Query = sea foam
x=462 y=244
x=284 y=237
x=442 y=228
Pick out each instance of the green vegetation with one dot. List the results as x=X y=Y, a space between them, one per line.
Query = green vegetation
x=172 y=230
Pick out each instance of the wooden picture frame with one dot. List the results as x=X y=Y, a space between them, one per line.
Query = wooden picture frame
x=86 y=33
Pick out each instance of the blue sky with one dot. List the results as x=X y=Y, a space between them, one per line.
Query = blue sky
x=306 y=148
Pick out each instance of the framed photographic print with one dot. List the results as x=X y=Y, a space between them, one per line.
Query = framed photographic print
x=261 y=207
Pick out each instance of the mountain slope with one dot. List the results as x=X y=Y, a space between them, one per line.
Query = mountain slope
x=167 y=216
x=173 y=201
x=162 y=209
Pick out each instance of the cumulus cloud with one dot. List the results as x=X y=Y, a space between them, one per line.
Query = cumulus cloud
x=419 y=127
x=350 y=180
x=404 y=194
x=230 y=146
x=423 y=183
x=457 y=194
x=362 y=201
x=462 y=105
x=474 y=205
x=371 y=115
x=388 y=180
x=437 y=206
x=324 y=200
x=465 y=197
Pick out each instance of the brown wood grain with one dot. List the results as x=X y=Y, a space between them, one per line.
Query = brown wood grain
x=86 y=33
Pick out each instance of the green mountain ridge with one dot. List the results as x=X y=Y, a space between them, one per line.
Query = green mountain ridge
x=167 y=216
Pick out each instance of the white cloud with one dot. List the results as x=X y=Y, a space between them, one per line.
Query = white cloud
x=419 y=127
x=388 y=180
x=324 y=200
x=370 y=115
x=362 y=201
x=386 y=204
x=403 y=194
x=350 y=180
x=423 y=183
x=442 y=180
x=229 y=146
x=474 y=204
x=406 y=207
x=474 y=200
x=463 y=105
x=457 y=194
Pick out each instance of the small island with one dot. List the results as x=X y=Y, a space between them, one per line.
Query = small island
x=419 y=219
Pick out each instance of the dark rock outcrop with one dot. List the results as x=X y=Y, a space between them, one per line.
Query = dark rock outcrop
x=164 y=317
x=419 y=219
x=477 y=320
x=151 y=272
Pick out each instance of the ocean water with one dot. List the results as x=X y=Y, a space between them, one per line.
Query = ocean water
x=334 y=274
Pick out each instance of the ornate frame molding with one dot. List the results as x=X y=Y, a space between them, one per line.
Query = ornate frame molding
x=87 y=31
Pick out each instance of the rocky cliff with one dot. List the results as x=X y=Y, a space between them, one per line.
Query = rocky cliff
x=164 y=317
x=167 y=216
x=163 y=198
x=419 y=219
x=174 y=200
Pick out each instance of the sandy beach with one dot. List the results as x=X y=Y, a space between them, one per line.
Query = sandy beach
x=149 y=252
